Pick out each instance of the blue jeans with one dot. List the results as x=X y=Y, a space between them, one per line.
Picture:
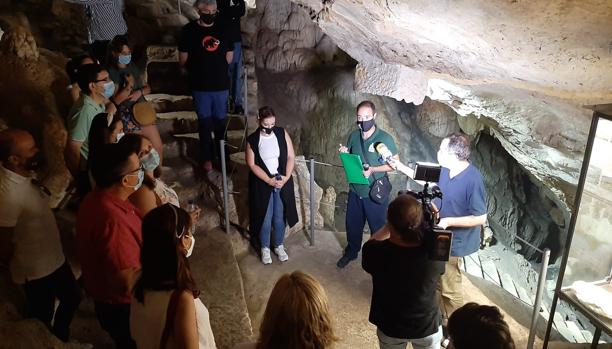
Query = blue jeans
x=211 y=107
x=429 y=342
x=357 y=211
x=274 y=217
x=235 y=75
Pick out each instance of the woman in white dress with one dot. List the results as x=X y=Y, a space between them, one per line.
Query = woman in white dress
x=166 y=311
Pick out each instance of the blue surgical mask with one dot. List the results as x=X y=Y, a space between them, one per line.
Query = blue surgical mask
x=124 y=59
x=140 y=179
x=109 y=89
x=150 y=161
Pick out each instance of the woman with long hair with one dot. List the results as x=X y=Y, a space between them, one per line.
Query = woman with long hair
x=271 y=159
x=297 y=316
x=166 y=311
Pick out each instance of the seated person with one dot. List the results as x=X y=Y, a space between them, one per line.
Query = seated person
x=72 y=69
x=131 y=89
x=475 y=326
x=104 y=130
x=404 y=305
x=297 y=316
x=154 y=192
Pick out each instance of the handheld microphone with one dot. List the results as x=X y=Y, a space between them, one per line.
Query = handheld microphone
x=382 y=149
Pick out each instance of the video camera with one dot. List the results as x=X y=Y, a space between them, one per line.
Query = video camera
x=437 y=241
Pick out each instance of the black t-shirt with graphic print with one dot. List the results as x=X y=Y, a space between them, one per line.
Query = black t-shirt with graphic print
x=206 y=64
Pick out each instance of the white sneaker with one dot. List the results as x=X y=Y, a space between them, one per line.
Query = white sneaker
x=265 y=256
x=280 y=252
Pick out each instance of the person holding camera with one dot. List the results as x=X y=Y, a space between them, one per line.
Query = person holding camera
x=404 y=278
x=271 y=158
x=463 y=210
x=366 y=202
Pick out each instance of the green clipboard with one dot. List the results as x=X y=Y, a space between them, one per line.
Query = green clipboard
x=353 y=168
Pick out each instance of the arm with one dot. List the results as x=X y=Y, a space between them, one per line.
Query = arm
x=144 y=199
x=72 y=156
x=258 y=171
x=183 y=56
x=290 y=159
x=381 y=168
x=184 y=328
x=463 y=222
x=7 y=247
x=126 y=278
x=229 y=56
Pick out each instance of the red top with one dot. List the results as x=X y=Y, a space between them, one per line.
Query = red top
x=109 y=239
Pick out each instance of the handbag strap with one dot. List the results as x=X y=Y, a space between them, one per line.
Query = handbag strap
x=364 y=160
x=170 y=312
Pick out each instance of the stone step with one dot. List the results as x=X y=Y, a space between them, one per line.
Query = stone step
x=490 y=272
x=472 y=265
x=508 y=284
x=164 y=102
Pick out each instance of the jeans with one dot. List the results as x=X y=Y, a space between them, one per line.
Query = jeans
x=235 y=75
x=429 y=342
x=357 y=211
x=115 y=319
x=41 y=294
x=274 y=217
x=211 y=107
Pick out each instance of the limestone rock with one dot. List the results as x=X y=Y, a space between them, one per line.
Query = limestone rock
x=21 y=43
x=301 y=180
x=327 y=206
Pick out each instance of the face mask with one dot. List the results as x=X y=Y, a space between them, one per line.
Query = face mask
x=266 y=130
x=190 y=249
x=109 y=89
x=150 y=161
x=366 y=125
x=124 y=59
x=119 y=136
x=208 y=18
x=140 y=179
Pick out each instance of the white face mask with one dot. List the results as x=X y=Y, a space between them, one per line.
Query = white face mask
x=190 y=249
x=119 y=136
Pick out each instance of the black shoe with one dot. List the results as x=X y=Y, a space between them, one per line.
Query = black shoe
x=344 y=261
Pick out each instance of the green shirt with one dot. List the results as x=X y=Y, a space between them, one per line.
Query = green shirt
x=80 y=118
x=372 y=156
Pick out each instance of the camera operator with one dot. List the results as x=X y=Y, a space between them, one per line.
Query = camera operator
x=463 y=210
x=404 y=278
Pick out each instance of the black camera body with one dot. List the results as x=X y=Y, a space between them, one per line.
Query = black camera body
x=437 y=241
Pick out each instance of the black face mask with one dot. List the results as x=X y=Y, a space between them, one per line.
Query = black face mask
x=34 y=163
x=208 y=18
x=366 y=125
x=266 y=130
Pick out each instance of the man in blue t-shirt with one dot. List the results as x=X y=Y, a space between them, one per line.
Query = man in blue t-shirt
x=463 y=210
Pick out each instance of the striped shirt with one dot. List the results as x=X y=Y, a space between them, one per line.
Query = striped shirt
x=104 y=18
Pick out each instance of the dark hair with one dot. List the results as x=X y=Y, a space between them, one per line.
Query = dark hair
x=73 y=65
x=7 y=144
x=133 y=142
x=266 y=112
x=475 y=326
x=405 y=214
x=98 y=135
x=116 y=45
x=111 y=164
x=368 y=104
x=459 y=144
x=164 y=265
x=87 y=74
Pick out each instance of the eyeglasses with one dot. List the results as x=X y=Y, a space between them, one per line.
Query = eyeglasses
x=102 y=80
x=140 y=167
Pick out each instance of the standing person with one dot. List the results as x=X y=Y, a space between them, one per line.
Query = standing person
x=297 y=316
x=104 y=22
x=230 y=12
x=463 y=210
x=166 y=311
x=109 y=239
x=404 y=279
x=270 y=157
x=205 y=51
x=360 y=206
x=475 y=326
x=29 y=237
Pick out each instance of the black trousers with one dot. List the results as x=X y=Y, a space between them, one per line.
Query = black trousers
x=115 y=319
x=98 y=50
x=42 y=293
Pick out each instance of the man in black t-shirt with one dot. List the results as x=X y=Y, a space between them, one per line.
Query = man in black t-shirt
x=205 y=50
x=404 y=306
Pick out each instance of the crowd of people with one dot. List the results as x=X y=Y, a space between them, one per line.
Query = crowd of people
x=133 y=239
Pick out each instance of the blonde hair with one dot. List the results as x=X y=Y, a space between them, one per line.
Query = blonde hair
x=297 y=315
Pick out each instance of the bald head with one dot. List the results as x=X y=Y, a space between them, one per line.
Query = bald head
x=16 y=148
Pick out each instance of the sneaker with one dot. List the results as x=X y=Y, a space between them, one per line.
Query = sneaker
x=280 y=252
x=344 y=261
x=265 y=256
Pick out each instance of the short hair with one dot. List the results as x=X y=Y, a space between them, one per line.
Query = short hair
x=87 y=74
x=73 y=65
x=162 y=257
x=297 y=315
x=110 y=165
x=459 y=144
x=133 y=142
x=204 y=2
x=405 y=214
x=266 y=112
x=368 y=104
x=116 y=45
x=98 y=135
x=475 y=326
x=7 y=144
